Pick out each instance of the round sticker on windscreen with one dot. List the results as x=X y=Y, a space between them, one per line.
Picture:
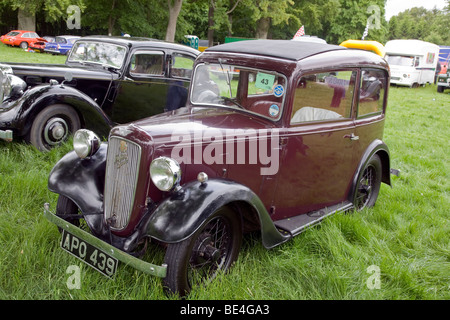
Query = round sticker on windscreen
x=278 y=91
x=274 y=110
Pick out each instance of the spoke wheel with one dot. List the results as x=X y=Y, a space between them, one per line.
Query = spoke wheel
x=368 y=186
x=69 y=211
x=211 y=249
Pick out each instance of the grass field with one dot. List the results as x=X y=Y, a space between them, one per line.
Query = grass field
x=397 y=250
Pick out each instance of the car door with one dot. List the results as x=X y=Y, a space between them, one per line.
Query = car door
x=317 y=162
x=152 y=85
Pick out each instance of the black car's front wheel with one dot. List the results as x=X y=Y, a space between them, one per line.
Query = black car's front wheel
x=211 y=249
x=52 y=126
x=368 y=186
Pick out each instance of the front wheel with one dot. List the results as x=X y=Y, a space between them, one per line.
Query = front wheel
x=69 y=211
x=368 y=186
x=199 y=258
x=52 y=126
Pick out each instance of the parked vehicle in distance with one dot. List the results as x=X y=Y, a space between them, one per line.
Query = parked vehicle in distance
x=105 y=81
x=61 y=45
x=443 y=81
x=24 y=39
x=276 y=136
x=412 y=62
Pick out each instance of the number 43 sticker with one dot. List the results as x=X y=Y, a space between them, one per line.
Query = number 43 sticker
x=265 y=81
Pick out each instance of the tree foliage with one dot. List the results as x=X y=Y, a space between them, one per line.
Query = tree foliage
x=420 y=23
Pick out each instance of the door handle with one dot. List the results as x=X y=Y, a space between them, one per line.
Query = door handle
x=352 y=137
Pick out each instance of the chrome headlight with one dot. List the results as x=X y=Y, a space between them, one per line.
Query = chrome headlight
x=165 y=173
x=11 y=86
x=85 y=143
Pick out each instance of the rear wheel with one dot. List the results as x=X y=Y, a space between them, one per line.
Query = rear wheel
x=368 y=185
x=52 y=126
x=24 y=45
x=211 y=249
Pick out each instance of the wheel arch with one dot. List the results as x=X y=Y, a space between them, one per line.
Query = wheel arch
x=381 y=149
x=90 y=114
x=178 y=217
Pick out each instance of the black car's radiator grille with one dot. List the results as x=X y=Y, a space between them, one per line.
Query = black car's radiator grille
x=122 y=171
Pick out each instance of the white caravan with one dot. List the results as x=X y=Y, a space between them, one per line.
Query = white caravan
x=412 y=62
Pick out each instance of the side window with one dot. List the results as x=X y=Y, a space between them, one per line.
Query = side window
x=147 y=63
x=182 y=66
x=324 y=96
x=371 y=95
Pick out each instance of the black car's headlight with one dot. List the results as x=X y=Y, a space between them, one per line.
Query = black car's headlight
x=165 y=173
x=11 y=86
x=85 y=143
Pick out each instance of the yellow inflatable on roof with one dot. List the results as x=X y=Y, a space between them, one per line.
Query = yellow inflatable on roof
x=368 y=45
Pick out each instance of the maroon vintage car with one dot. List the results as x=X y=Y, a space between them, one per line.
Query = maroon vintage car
x=276 y=136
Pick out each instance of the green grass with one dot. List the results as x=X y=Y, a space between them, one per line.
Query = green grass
x=406 y=235
x=15 y=54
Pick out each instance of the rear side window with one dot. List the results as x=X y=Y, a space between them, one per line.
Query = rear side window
x=147 y=63
x=324 y=96
x=182 y=66
x=371 y=94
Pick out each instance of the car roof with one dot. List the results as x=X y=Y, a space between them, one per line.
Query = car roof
x=283 y=49
x=140 y=41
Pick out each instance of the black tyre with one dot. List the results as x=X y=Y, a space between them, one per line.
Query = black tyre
x=68 y=210
x=368 y=186
x=24 y=45
x=211 y=249
x=52 y=126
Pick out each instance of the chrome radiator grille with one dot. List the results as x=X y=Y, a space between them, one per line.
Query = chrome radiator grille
x=122 y=171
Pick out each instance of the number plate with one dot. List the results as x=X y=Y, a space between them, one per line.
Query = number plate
x=96 y=258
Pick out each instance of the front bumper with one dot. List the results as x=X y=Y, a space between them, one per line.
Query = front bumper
x=6 y=135
x=138 y=264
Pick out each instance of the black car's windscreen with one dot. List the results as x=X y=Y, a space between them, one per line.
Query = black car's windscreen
x=105 y=54
x=258 y=91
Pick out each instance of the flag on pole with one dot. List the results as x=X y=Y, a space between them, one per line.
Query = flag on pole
x=300 y=32
x=366 y=31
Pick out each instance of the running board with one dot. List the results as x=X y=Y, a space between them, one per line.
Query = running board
x=298 y=224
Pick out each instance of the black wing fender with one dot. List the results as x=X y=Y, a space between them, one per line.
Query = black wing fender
x=82 y=181
x=36 y=99
x=181 y=214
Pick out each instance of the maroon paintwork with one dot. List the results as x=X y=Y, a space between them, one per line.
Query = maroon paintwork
x=286 y=132
x=316 y=160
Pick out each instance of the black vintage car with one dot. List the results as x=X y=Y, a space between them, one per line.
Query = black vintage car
x=105 y=81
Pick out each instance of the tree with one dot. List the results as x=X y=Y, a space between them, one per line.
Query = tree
x=174 y=11
x=351 y=20
x=267 y=13
x=420 y=23
x=27 y=9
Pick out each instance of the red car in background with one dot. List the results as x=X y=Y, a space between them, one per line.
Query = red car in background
x=24 y=39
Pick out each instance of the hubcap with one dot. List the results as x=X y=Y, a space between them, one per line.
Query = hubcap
x=55 y=131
